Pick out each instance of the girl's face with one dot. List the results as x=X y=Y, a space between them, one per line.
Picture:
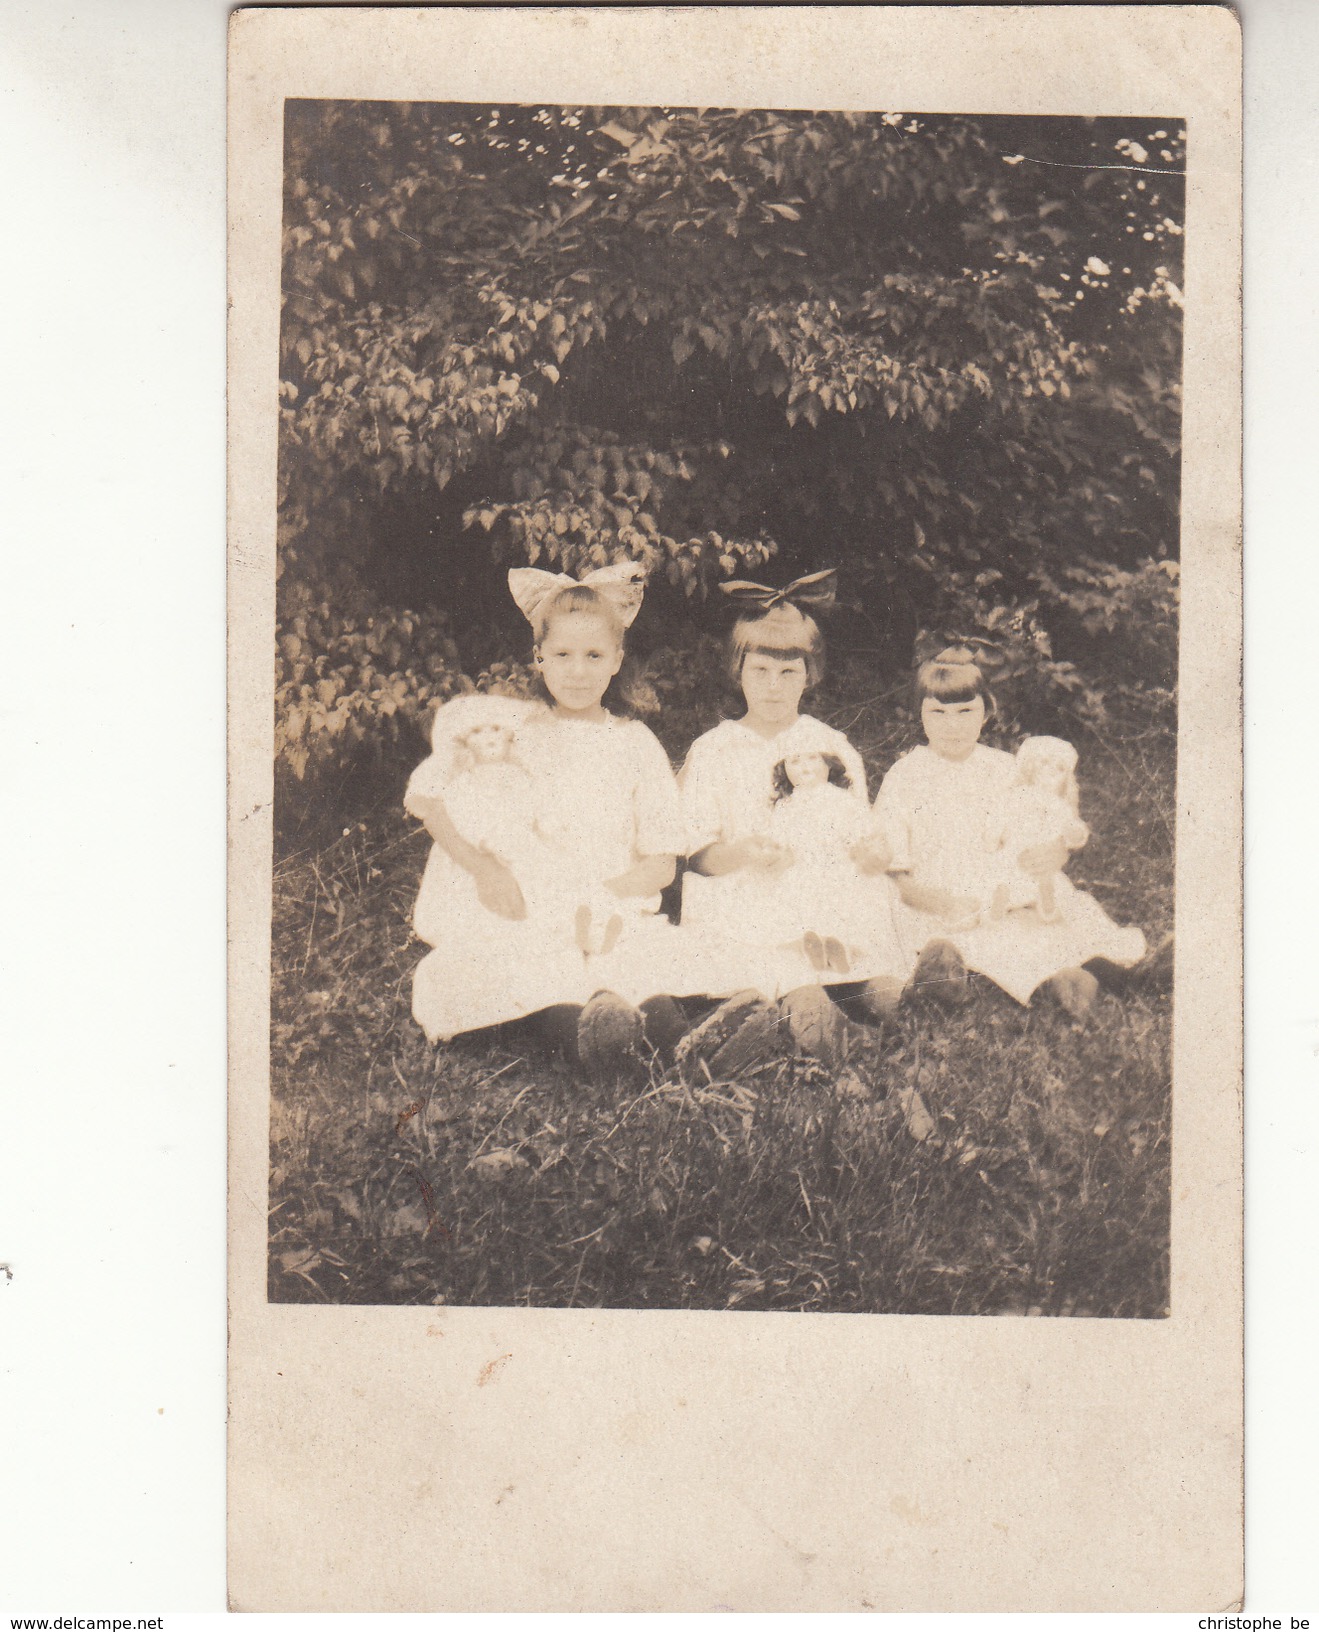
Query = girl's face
x=578 y=657
x=953 y=729
x=773 y=688
x=488 y=744
x=806 y=770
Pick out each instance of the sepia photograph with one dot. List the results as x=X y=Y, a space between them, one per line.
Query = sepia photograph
x=735 y=931
x=726 y=708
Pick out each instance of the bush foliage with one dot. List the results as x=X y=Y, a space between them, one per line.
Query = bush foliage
x=940 y=352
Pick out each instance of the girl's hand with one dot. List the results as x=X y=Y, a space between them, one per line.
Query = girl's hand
x=765 y=856
x=1043 y=860
x=872 y=854
x=497 y=889
x=943 y=904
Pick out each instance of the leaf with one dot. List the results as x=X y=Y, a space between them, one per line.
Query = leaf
x=916 y=1117
x=618 y=133
x=496 y=1165
x=786 y=211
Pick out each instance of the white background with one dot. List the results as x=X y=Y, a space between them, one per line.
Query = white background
x=112 y=792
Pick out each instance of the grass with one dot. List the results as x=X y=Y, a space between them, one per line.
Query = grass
x=485 y=1172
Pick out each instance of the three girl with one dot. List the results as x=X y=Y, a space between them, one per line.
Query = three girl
x=795 y=889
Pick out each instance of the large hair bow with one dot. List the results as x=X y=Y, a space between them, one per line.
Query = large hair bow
x=987 y=654
x=814 y=592
x=622 y=585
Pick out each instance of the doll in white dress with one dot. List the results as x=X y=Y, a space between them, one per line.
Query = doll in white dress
x=1041 y=807
x=491 y=800
x=824 y=903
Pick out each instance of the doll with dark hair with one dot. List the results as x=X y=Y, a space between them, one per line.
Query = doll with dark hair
x=766 y=876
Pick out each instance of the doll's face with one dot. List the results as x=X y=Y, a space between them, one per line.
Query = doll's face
x=578 y=657
x=953 y=729
x=488 y=744
x=806 y=770
x=773 y=687
x=1048 y=774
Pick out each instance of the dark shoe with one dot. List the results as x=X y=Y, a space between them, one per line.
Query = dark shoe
x=818 y=1027
x=878 y=999
x=608 y=1036
x=663 y=1024
x=940 y=975
x=742 y=1033
x=558 y=1028
x=1156 y=967
x=1075 y=991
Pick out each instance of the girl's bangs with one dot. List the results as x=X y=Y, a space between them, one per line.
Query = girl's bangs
x=785 y=654
x=577 y=600
x=951 y=679
x=953 y=686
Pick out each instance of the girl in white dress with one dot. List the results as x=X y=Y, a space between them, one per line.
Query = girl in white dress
x=939 y=808
x=776 y=653
x=607 y=808
x=490 y=797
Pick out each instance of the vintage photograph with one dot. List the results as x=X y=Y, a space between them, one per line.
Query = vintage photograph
x=726 y=709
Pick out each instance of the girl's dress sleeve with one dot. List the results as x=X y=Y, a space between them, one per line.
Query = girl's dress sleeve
x=892 y=813
x=426 y=782
x=700 y=803
x=855 y=767
x=661 y=829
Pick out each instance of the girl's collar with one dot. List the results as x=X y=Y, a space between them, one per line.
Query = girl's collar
x=787 y=730
x=606 y=718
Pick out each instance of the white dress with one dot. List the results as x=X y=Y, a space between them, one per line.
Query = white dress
x=604 y=797
x=484 y=968
x=607 y=799
x=728 y=794
x=940 y=816
x=822 y=891
x=494 y=808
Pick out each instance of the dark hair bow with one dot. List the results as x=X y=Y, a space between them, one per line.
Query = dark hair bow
x=931 y=643
x=815 y=591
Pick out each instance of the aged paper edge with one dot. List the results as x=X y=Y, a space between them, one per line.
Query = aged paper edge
x=693 y=1461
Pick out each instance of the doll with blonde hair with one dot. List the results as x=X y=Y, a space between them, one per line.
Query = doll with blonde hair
x=1041 y=807
x=491 y=799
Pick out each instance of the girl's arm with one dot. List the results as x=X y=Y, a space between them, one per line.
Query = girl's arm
x=930 y=898
x=496 y=886
x=648 y=876
x=732 y=855
x=1043 y=860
